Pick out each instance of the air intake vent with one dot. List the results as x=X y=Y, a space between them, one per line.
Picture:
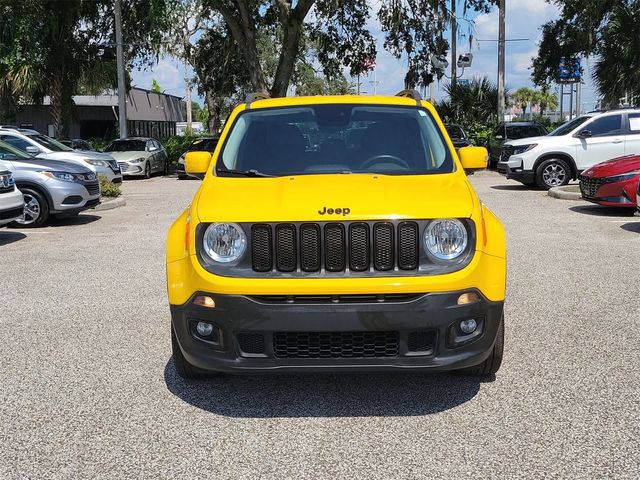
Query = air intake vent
x=383 y=246
x=261 y=256
x=310 y=247
x=286 y=257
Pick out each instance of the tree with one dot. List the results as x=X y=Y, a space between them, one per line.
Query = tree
x=606 y=29
x=522 y=97
x=471 y=105
x=55 y=48
x=413 y=28
x=155 y=86
x=545 y=99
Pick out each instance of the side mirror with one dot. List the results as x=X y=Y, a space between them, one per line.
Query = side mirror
x=32 y=150
x=196 y=164
x=585 y=134
x=473 y=158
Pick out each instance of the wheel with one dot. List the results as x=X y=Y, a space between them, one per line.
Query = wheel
x=147 y=169
x=183 y=367
x=165 y=172
x=36 y=209
x=182 y=176
x=492 y=364
x=553 y=173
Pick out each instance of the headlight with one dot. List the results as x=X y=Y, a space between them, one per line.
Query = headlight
x=67 y=177
x=137 y=160
x=445 y=239
x=97 y=163
x=523 y=148
x=224 y=242
x=623 y=177
x=7 y=180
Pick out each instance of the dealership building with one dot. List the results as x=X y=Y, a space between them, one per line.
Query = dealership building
x=149 y=114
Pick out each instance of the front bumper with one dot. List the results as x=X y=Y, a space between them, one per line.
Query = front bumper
x=70 y=197
x=513 y=169
x=115 y=177
x=432 y=317
x=11 y=206
x=132 y=169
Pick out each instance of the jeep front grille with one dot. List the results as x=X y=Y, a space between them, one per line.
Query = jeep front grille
x=335 y=247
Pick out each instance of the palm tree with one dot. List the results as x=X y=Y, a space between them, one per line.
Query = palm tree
x=522 y=97
x=617 y=72
x=472 y=104
x=545 y=99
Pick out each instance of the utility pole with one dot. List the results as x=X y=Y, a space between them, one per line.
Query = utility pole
x=454 y=41
x=501 y=52
x=122 y=101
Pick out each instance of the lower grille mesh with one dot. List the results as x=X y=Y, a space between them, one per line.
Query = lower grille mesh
x=335 y=344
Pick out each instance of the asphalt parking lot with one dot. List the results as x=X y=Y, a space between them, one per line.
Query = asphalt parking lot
x=88 y=388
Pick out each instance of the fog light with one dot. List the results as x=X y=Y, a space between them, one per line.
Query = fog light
x=467 y=298
x=205 y=329
x=204 y=301
x=467 y=326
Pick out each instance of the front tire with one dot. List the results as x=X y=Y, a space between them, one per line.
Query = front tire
x=492 y=364
x=147 y=170
x=36 y=209
x=183 y=367
x=553 y=173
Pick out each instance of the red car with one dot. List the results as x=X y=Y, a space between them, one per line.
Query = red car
x=613 y=183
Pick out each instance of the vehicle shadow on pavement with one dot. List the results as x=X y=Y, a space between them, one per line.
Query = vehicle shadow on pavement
x=602 y=211
x=71 y=221
x=10 y=237
x=323 y=395
x=517 y=187
x=629 y=227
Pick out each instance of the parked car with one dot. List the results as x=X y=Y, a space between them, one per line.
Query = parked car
x=612 y=183
x=11 y=201
x=139 y=156
x=47 y=148
x=50 y=187
x=457 y=135
x=561 y=156
x=367 y=251
x=508 y=131
x=202 y=144
x=78 y=144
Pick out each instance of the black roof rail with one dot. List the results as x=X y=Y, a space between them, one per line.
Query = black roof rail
x=410 y=93
x=252 y=97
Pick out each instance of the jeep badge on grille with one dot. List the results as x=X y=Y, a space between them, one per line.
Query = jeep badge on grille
x=334 y=211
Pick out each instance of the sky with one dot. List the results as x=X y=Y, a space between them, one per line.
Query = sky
x=523 y=21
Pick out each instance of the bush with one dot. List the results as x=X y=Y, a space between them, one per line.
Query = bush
x=99 y=144
x=107 y=188
x=176 y=146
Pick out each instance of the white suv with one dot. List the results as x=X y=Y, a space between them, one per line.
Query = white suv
x=11 y=200
x=556 y=158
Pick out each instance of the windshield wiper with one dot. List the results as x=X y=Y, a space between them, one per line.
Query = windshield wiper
x=243 y=173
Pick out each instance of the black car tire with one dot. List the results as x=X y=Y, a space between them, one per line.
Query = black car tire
x=183 y=367
x=165 y=171
x=492 y=364
x=558 y=168
x=182 y=176
x=147 y=169
x=33 y=195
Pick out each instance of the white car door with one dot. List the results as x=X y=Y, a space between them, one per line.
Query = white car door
x=600 y=139
x=632 y=139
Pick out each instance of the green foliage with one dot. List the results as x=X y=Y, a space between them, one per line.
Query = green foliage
x=99 y=144
x=176 y=145
x=473 y=105
x=155 y=86
x=307 y=82
x=107 y=188
x=522 y=97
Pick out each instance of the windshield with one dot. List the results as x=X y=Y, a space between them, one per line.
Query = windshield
x=455 y=131
x=203 y=145
x=127 y=146
x=568 y=127
x=335 y=139
x=9 y=152
x=49 y=143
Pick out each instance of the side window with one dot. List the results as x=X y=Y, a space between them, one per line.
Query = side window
x=542 y=131
x=602 y=127
x=15 y=141
x=634 y=123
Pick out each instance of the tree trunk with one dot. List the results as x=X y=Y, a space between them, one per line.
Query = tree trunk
x=287 y=60
x=213 y=107
x=56 y=92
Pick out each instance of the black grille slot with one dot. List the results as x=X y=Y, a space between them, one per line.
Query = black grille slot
x=310 y=247
x=335 y=344
x=589 y=186
x=8 y=189
x=251 y=342
x=286 y=257
x=420 y=341
x=359 y=247
x=261 y=256
x=383 y=246
x=350 y=298
x=334 y=247
x=408 y=245
x=93 y=188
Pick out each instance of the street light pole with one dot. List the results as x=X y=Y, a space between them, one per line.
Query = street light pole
x=454 y=41
x=501 y=68
x=122 y=102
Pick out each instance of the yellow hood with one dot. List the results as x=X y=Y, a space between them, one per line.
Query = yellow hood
x=302 y=198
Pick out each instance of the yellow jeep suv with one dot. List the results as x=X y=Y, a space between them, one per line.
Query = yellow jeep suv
x=336 y=233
